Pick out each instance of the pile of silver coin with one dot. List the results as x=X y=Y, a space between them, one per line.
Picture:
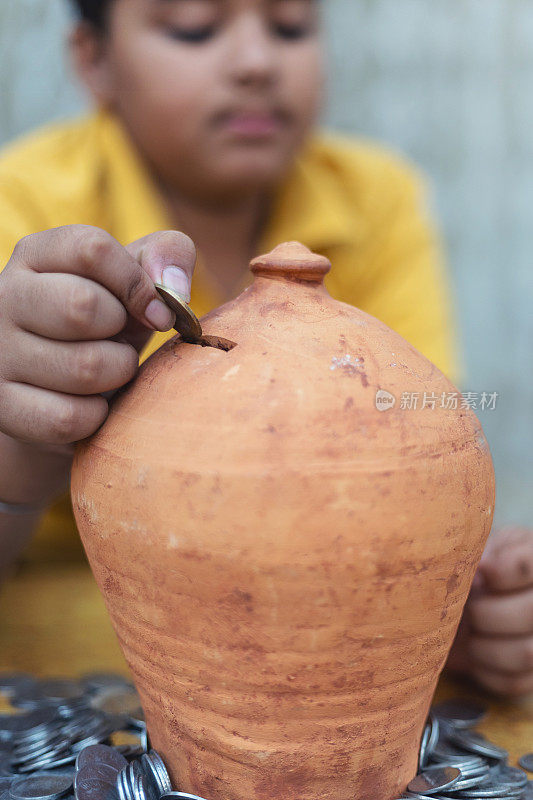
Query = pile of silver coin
x=458 y=762
x=60 y=741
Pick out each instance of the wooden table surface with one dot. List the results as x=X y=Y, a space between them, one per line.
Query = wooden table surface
x=53 y=622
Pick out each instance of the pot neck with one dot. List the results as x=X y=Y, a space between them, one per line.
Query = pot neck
x=291 y=261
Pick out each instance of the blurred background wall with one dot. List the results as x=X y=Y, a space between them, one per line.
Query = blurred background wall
x=448 y=83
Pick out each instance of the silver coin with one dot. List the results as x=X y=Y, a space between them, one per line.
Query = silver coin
x=151 y=785
x=101 y=754
x=477 y=743
x=35 y=720
x=460 y=713
x=65 y=769
x=185 y=795
x=422 y=753
x=10 y=725
x=96 y=681
x=445 y=751
x=57 y=690
x=93 y=789
x=528 y=791
x=11 y=682
x=40 y=787
x=129 y=751
x=526 y=761
x=53 y=761
x=154 y=767
x=31 y=744
x=139 y=789
x=6 y=770
x=511 y=776
x=493 y=790
x=122 y=794
x=434 y=779
x=159 y=764
x=39 y=733
x=434 y=733
x=471 y=782
x=118 y=700
x=99 y=772
x=27 y=697
x=32 y=751
x=128 y=779
x=127 y=788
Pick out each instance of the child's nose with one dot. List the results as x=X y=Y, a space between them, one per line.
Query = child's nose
x=252 y=57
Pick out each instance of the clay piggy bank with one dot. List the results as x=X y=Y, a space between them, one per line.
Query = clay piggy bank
x=284 y=547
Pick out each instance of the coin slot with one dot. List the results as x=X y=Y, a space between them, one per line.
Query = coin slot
x=214 y=341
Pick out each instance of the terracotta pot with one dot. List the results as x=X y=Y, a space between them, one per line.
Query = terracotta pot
x=286 y=565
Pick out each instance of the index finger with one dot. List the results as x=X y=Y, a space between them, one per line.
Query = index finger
x=505 y=615
x=93 y=253
x=507 y=565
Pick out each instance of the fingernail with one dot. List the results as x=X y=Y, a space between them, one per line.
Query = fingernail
x=177 y=279
x=159 y=315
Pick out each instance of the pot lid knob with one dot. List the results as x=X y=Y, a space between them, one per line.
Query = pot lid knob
x=291 y=261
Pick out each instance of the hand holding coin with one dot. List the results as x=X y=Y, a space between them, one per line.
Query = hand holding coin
x=494 y=642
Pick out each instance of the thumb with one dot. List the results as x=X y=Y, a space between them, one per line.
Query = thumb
x=169 y=258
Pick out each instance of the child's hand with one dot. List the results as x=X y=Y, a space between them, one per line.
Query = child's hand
x=494 y=643
x=75 y=309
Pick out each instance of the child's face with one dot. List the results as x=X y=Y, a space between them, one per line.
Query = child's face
x=217 y=94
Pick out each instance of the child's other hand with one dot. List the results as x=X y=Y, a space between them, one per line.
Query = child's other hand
x=76 y=307
x=494 y=642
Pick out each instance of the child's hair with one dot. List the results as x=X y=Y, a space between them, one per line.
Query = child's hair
x=92 y=10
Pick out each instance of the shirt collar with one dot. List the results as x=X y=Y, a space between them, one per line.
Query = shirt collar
x=310 y=206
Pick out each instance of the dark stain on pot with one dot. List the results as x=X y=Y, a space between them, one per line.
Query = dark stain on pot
x=350 y=365
x=189 y=479
x=239 y=599
x=348 y=403
x=340 y=682
x=244 y=643
x=240 y=735
x=290 y=784
x=192 y=554
x=452 y=583
x=112 y=585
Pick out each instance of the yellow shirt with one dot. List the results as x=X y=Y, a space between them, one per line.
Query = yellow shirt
x=361 y=205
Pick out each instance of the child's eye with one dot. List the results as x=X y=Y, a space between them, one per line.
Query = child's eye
x=291 y=32
x=192 y=35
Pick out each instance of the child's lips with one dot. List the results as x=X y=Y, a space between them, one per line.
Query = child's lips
x=250 y=124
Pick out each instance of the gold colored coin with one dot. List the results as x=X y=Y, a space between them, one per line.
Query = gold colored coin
x=187 y=323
